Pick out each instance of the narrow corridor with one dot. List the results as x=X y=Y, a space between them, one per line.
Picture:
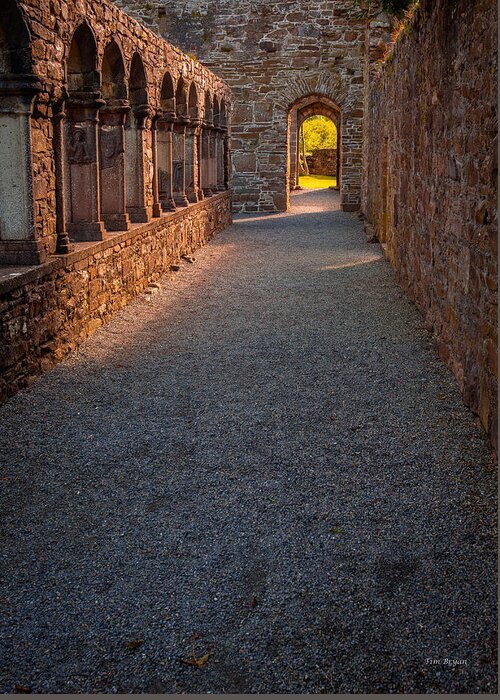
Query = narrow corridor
x=266 y=454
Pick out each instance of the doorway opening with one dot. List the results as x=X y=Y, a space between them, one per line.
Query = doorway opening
x=314 y=144
x=317 y=153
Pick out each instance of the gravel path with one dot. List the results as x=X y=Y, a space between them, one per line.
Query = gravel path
x=268 y=453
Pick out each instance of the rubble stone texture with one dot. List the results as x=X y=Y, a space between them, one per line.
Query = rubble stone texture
x=432 y=184
x=273 y=54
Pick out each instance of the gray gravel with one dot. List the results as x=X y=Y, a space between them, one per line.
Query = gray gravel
x=266 y=452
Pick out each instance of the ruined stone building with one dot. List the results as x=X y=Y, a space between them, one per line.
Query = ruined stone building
x=284 y=61
x=121 y=152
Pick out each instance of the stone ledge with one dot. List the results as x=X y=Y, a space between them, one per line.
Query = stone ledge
x=14 y=277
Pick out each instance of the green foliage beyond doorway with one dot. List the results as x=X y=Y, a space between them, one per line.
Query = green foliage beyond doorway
x=319 y=132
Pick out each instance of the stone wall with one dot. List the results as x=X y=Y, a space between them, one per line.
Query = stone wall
x=431 y=184
x=272 y=55
x=323 y=161
x=44 y=110
x=48 y=310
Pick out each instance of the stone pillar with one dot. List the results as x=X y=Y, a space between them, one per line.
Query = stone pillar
x=154 y=148
x=112 y=167
x=179 y=162
x=220 y=159
x=83 y=209
x=17 y=221
x=293 y=152
x=165 y=153
x=192 y=161
x=137 y=123
x=213 y=160
x=199 y=163
x=63 y=245
x=205 y=155
x=225 y=158
x=337 y=174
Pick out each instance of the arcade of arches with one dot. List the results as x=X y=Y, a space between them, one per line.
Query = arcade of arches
x=100 y=136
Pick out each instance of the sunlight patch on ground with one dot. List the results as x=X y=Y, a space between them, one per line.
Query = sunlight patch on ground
x=313 y=182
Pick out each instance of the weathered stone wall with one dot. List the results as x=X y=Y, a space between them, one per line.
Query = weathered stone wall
x=48 y=310
x=51 y=27
x=271 y=55
x=431 y=183
x=323 y=161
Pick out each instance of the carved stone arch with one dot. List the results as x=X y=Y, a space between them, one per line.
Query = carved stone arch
x=328 y=86
x=223 y=113
x=216 y=111
x=181 y=97
x=316 y=103
x=15 y=41
x=208 y=108
x=167 y=94
x=138 y=82
x=193 y=102
x=81 y=63
x=113 y=77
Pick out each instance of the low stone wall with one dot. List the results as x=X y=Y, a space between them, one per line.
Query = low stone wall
x=47 y=310
x=430 y=191
x=323 y=161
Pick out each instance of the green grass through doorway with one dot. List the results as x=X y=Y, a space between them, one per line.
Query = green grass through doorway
x=313 y=182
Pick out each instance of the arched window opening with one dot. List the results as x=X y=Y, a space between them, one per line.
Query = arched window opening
x=217 y=182
x=15 y=46
x=18 y=88
x=81 y=71
x=164 y=145
x=135 y=143
x=167 y=99
x=80 y=136
x=114 y=87
x=181 y=99
x=112 y=139
x=206 y=145
x=225 y=145
x=179 y=144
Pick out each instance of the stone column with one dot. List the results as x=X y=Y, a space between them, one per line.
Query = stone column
x=165 y=162
x=83 y=209
x=154 y=148
x=225 y=157
x=337 y=186
x=135 y=164
x=63 y=245
x=192 y=160
x=205 y=155
x=179 y=162
x=220 y=159
x=112 y=166
x=199 y=164
x=17 y=221
x=213 y=160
